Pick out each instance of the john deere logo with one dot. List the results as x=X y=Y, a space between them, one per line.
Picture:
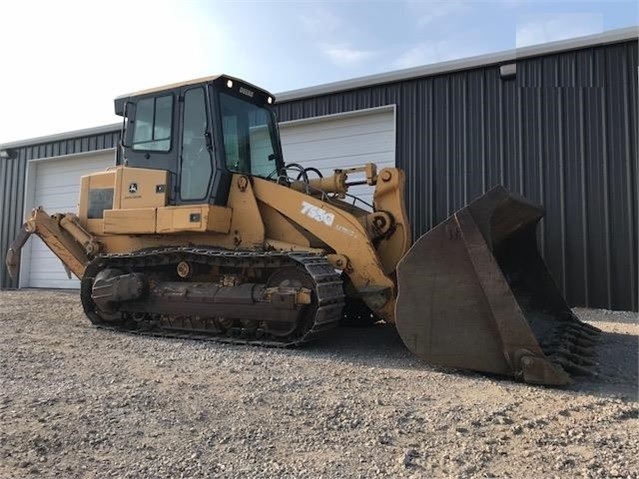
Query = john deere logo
x=133 y=188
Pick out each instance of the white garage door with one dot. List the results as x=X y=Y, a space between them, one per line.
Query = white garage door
x=56 y=188
x=342 y=141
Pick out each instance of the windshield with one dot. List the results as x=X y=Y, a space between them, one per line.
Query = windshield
x=249 y=137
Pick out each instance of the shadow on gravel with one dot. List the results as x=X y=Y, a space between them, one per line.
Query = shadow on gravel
x=381 y=346
x=617 y=367
x=376 y=345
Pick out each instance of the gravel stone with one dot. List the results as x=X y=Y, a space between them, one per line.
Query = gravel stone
x=76 y=401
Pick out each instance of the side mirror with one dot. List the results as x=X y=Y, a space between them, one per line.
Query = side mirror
x=125 y=122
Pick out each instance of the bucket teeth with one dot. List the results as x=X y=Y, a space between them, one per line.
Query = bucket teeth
x=583 y=331
x=572 y=367
x=572 y=346
x=571 y=321
x=575 y=356
x=579 y=340
x=589 y=327
x=569 y=341
x=584 y=352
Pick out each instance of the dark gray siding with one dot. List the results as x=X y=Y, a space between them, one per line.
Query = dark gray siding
x=12 y=182
x=563 y=132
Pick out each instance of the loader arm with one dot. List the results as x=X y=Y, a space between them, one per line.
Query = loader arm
x=62 y=234
x=388 y=227
x=346 y=236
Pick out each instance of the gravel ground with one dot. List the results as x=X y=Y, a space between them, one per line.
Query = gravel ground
x=81 y=402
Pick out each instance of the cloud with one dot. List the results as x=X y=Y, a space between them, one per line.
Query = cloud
x=512 y=3
x=434 y=52
x=344 y=54
x=427 y=13
x=320 y=22
x=561 y=26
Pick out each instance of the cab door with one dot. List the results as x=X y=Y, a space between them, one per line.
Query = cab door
x=196 y=154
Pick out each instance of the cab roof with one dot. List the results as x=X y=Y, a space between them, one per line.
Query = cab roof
x=121 y=99
x=170 y=86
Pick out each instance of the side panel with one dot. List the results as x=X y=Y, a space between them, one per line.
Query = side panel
x=175 y=219
x=130 y=221
x=141 y=188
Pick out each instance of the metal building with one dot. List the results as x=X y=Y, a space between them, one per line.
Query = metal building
x=556 y=123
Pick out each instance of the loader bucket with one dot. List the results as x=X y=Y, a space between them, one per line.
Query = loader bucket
x=474 y=293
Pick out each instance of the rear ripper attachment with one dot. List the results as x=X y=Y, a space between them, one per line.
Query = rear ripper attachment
x=475 y=293
x=265 y=298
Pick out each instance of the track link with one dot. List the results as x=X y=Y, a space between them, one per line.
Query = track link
x=327 y=290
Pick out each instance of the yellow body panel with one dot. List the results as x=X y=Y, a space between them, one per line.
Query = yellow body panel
x=140 y=188
x=131 y=221
x=176 y=219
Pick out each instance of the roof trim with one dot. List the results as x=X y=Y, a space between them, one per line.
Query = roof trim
x=612 y=36
x=67 y=135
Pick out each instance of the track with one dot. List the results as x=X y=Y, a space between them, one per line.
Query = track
x=313 y=321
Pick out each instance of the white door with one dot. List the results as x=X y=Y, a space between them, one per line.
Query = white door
x=342 y=141
x=56 y=187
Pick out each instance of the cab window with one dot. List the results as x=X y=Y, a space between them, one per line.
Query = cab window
x=249 y=132
x=196 y=169
x=152 y=125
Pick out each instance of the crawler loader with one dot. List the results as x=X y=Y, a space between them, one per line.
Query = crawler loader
x=204 y=231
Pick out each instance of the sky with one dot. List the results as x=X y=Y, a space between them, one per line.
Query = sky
x=63 y=62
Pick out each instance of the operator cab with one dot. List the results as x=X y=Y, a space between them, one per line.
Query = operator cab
x=201 y=132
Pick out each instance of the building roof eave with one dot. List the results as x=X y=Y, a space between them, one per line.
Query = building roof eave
x=612 y=36
x=67 y=135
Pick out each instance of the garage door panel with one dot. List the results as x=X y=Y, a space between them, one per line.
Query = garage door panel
x=80 y=167
x=56 y=181
x=60 y=195
x=325 y=150
x=44 y=275
x=337 y=134
x=370 y=140
x=48 y=180
x=53 y=175
x=333 y=143
x=53 y=189
x=56 y=197
x=341 y=128
x=56 y=189
x=322 y=152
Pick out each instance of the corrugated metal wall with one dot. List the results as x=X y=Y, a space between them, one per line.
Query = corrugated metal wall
x=563 y=132
x=12 y=182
